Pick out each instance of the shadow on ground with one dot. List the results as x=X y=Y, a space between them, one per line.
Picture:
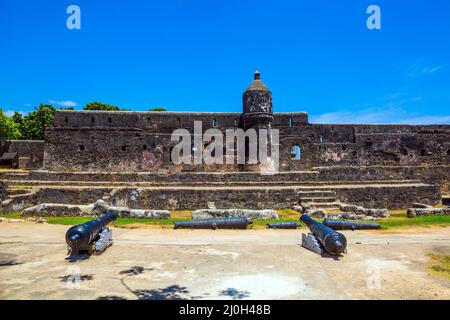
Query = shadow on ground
x=78 y=257
x=74 y=278
x=234 y=293
x=7 y=260
x=173 y=292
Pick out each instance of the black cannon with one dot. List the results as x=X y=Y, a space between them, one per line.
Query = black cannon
x=92 y=236
x=350 y=225
x=333 y=242
x=283 y=225
x=216 y=223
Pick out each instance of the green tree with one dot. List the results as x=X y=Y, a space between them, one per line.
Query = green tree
x=157 y=109
x=18 y=120
x=35 y=123
x=95 y=105
x=8 y=128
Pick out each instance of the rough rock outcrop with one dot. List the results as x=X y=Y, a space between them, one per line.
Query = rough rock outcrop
x=350 y=212
x=101 y=207
x=298 y=208
x=418 y=212
x=369 y=212
x=233 y=213
x=316 y=213
x=58 y=210
x=98 y=208
x=354 y=216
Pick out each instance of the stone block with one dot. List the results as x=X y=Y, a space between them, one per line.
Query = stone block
x=234 y=213
x=58 y=210
x=416 y=212
x=102 y=207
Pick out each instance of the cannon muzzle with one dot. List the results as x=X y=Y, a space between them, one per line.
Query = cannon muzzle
x=332 y=241
x=81 y=237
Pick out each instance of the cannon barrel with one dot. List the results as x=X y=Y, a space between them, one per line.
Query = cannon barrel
x=350 y=225
x=80 y=236
x=283 y=225
x=333 y=242
x=217 y=223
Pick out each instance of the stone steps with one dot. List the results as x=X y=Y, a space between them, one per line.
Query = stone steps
x=316 y=193
x=323 y=205
x=317 y=199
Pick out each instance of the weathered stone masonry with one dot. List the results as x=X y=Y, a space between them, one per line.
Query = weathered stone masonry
x=145 y=146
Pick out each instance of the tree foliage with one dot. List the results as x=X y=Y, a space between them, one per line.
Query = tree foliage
x=95 y=105
x=8 y=128
x=35 y=123
x=157 y=109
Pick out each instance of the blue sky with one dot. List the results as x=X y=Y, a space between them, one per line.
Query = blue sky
x=191 y=55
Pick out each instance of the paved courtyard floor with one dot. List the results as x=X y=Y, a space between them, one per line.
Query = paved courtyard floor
x=155 y=263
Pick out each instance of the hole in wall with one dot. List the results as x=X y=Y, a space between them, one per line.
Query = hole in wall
x=296 y=152
x=170 y=155
x=81 y=147
x=423 y=153
x=290 y=122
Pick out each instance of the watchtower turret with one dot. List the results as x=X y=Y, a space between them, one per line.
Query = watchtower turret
x=257 y=115
x=257 y=105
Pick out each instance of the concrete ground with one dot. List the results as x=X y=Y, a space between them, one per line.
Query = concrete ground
x=154 y=263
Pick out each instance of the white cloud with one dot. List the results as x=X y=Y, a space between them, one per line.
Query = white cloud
x=66 y=104
x=10 y=113
x=385 y=115
x=431 y=69
x=418 y=69
x=426 y=120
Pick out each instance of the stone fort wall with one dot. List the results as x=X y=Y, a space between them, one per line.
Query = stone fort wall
x=140 y=141
x=31 y=152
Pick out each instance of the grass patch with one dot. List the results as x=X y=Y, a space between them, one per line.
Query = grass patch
x=261 y=224
x=288 y=214
x=20 y=186
x=13 y=170
x=400 y=220
x=397 y=220
x=12 y=215
x=440 y=265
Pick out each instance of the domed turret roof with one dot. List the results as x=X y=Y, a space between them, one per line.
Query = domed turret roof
x=257 y=84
